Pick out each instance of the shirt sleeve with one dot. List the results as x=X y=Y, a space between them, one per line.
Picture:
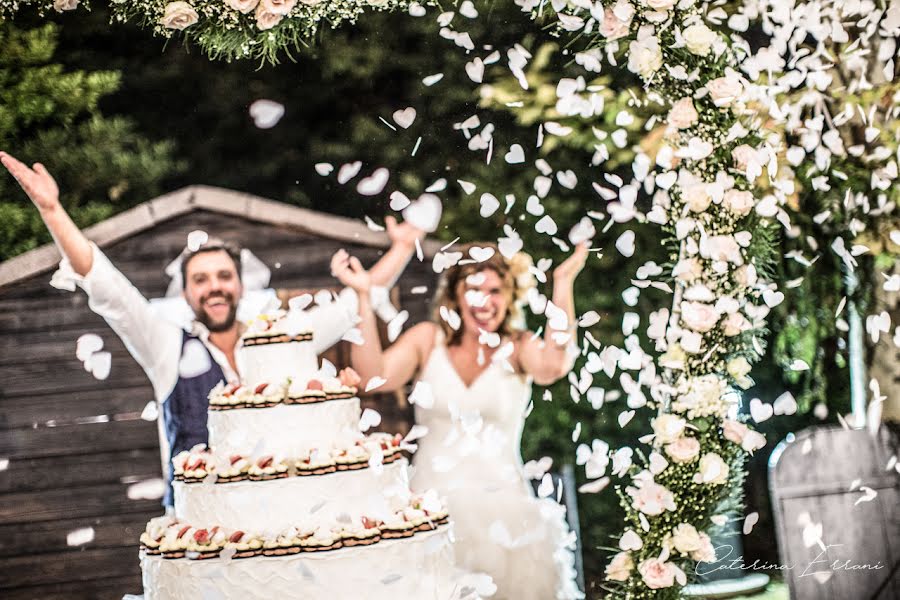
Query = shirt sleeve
x=154 y=343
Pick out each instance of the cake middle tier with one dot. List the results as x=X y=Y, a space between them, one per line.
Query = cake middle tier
x=285 y=429
x=273 y=505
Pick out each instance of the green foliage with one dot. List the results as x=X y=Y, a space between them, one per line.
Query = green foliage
x=51 y=114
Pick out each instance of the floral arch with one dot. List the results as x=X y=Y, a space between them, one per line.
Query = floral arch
x=739 y=120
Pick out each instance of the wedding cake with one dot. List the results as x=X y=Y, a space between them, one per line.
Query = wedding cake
x=291 y=499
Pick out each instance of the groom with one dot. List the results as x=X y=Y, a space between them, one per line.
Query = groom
x=212 y=287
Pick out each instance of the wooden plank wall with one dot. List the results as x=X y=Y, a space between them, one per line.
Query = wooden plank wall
x=74 y=444
x=811 y=480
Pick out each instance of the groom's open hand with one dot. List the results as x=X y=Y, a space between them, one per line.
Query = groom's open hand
x=37 y=183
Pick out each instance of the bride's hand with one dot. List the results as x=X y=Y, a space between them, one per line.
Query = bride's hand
x=350 y=272
x=569 y=269
x=37 y=183
x=404 y=233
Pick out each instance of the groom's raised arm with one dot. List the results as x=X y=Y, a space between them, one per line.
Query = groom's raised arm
x=152 y=343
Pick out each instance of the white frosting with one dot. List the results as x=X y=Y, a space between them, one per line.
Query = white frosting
x=275 y=363
x=288 y=430
x=419 y=567
x=275 y=504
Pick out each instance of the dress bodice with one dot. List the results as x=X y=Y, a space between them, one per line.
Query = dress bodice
x=474 y=432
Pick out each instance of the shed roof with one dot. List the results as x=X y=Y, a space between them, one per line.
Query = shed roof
x=148 y=214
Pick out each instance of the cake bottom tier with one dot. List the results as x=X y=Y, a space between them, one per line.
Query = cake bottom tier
x=419 y=567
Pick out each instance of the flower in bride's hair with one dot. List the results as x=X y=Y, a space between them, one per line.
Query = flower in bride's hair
x=178 y=15
x=242 y=6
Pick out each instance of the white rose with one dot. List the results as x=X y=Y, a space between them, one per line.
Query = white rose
x=725 y=90
x=734 y=324
x=712 y=470
x=278 y=7
x=721 y=247
x=266 y=19
x=706 y=552
x=745 y=276
x=699 y=39
x=673 y=358
x=612 y=28
x=739 y=368
x=699 y=316
x=739 y=202
x=687 y=270
x=242 y=6
x=619 y=567
x=660 y=4
x=651 y=498
x=696 y=197
x=658 y=574
x=668 y=427
x=742 y=155
x=683 y=450
x=61 y=5
x=644 y=57
x=178 y=15
x=686 y=538
x=683 y=114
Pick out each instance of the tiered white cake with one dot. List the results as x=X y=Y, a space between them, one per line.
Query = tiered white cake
x=291 y=500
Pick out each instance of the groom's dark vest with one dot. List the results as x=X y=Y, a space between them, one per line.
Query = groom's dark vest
x=184 y=411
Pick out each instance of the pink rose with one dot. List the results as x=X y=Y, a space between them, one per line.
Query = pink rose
x=620 y=567
x=721 y=247
x=742 y=155
x=687 y=270
x=683 y=450
x=178 y=15
x=658 y=574
x=61 y=5
x=725 y=90
x=738 y=202
x=651 y=498
x=683 y=114
x=612 y=28
x=734 y=431
x=242 y=6
x=734 y=324
x=699 y=316
x=706 y=552
x=278 y=7
x=266 y=19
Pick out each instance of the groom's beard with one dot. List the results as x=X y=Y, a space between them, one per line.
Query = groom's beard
x=217 y=326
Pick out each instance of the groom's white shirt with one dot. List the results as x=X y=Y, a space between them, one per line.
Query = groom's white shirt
x=155 y=341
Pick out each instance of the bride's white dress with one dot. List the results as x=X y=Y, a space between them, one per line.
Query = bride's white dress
x=471 y=456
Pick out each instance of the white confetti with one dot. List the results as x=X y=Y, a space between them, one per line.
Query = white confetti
x=80 y=537
x=266 y=113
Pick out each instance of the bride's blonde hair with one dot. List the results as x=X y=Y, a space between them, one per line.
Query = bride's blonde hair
x=514 y=273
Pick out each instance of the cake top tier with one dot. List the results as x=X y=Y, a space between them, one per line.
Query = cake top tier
x=278 y=326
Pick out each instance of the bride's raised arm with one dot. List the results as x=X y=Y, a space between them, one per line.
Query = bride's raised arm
x=401 y=360
x=547 y=359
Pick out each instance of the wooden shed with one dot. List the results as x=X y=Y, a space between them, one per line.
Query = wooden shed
x=71 y=445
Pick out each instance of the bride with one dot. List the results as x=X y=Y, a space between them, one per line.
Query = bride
x=474 y=377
